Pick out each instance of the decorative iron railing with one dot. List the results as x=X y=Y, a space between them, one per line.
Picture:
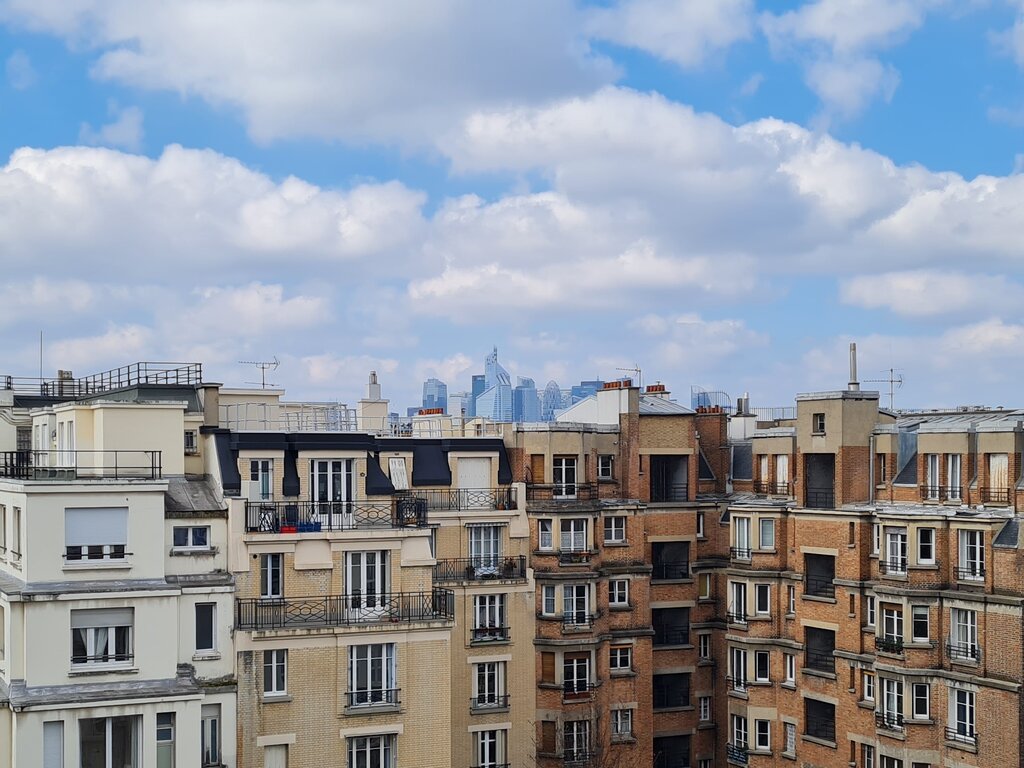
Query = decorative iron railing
x=344 y=610
x=316 y=516
x=468 y=498
x=481 y=568
x=64 y=465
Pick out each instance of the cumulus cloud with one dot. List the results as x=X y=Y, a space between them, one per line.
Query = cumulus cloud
x=685 y=32
x=124 y=131
x=924 y=293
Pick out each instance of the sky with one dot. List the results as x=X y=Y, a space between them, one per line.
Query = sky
x=724 y=194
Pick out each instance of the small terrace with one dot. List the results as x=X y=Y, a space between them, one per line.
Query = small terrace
x=317 y=516
x=65 y=465
x=481 y=568
x=561 y=492
x=458 y=499
x=260 y=614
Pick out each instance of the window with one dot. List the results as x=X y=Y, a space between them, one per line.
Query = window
x=206 y=623
x=926 y=546
x=919 y=692
x=548 y=600
x=489 y=618
x=622 y=724
x=575 y=604
x=738 y=604
x=671 y=626
x=101 y=636
x=614 y=530
x=892 y=702
x=820 y=719
x=869 y=687
x=931 y=473
x=890 y=762
x=191 y=442
x=820 y=645
x=961 y=717
x=671 y=559
x=96 y=535
x=867 y=756
x=372 y=675
x=963 y=644
x=895 y=551
x=762 y=735
x=672 y=690
x=704 y=582
x=766 y=531
x=892 y=627
x=819 y=580
x=275 y=673
x=919 y=623
x=790 y=748
x=741 y=533
x=818 y=423
x=972 y=556
x=704 y=646
x=762 y=666
x=789 y=668
x=564 y=468
x=211 y=734
x=700 y=525
x=880 y=462
x=953 y=475
x=791 y=600
x=573 y=535
x=618 y=592
x=575 y=673
x=485 y=549
x=398 y=474
x=762 y=602
x=870 y=610
x=3 y=530
x=738 y=731
x=3 y=625
x=704 y=762
x=704 y=708
x=270 y=575
x=876 y=538
x=489 y=682
x=544 y=540
x=738 y=669
x=109 y=742
x=261 y=480
x=491 y=748
x=620 y=658
x=191 y=537
x=576 y=740
x=371 y=751
x=605 y=467
x=165 y=739
x=53 y=744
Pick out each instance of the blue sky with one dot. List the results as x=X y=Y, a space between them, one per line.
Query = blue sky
x=725 y=194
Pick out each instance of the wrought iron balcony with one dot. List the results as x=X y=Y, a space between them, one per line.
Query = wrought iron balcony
x=468 y=498
x=737 y=752
x=889 y=644
x=734 y=616
x=971 y=572
x=481 y=568
x=489 y=701
x=996 y=495
x=964 y=651
x=317 y=516
x=574 y=557
x=567 y=492
x=739 y=553
x=671 y=636
x=490 y=634
x=579 y=758
x=64 y=465
x=254 y=615
x=820 y=498
x=820 y=660
x=737 y=683
x=573 y=690
x=889 y=721
x=963 y=734
x=379 y=697
x=940 y=493
x=670 y=493
x=892 y=566
x=819 y=586
x=668 y=570
x=771 y=489
x=577 y=621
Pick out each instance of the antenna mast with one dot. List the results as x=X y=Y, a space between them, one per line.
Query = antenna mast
x=264 y=366
x=895 y=381
x=637 y=371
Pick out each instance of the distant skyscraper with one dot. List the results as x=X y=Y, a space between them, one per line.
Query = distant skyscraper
x=525 y=401
x=585 y=389
x=459 y=404
x=476 y=389
x=495 y=402
x=551 y=402
x=435 y=394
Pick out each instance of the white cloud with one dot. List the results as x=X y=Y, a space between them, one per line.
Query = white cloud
x=37 y=298
x=451 y=369
x=848 y=86
x=115 y=346
x=124 y=131
x=685 y=32
x=923 y=293
x=345 y=373
x=390 y=70
x=19 y=70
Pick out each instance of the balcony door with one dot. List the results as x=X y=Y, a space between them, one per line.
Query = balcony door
x=366 y=583
x=330 y=490
x=485 y=548
x=932 y=475
x=574 y=603
x=564 y=475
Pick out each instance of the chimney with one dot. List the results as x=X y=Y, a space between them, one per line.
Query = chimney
x=854 y=385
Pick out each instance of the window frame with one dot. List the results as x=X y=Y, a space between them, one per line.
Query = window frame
x=271 y=576
x=621 y=730
x=190 y=537
x=548 y=600
x=617 y=654
x=868 y=686
x=704 y=646
x=704 y=709
x=916 y=612
x=789 y=668
x=606 y=466
x=765 y=591
x=922 y=559
x=618 y=593
x=362 y=659
x=762 y=666
x=762 y=523
x=762 y=734
x=212 y=647
x=616 y=526
x=818 y=423
x=920 y=693
x=275 y=659
x=545 y=531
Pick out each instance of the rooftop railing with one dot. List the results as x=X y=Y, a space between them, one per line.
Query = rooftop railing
x=64 y=465
x=148 y=372
x=258 y=614
x=770 y=488
x=317 y=516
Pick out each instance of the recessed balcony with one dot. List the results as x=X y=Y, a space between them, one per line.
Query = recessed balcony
x=482 y=568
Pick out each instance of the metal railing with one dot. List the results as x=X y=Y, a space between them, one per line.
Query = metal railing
x=91 y=552
x=888 y=644
x=893 y=566
x=190 y=374
x=578 y=759
x=577 y=689
x=971 y=651
x=577 y=621
x=377 y=697
x=574 y=556
x=737 y=752
x=889 y=721
x=819 y=586
x=671 y=636
x=737 y=683
x=670 y=493
x=962 y=734
x=996 y=495
x=771 y=489
x=103 y=658
x=971 y=572
x=668 y=570
x=820 y=498
x=257 y=614
x=941 y=492
x=733 y=616
x=822 y=661
x=489 y=701
x=489 y=634
x=739 y=553
x=316 y=516
x=468 y=498
x=481 y=568
x=561 y=491
x=64 y=465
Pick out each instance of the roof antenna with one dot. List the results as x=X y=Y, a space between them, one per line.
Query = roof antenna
x=264 y=366
x=637 y=371
x=895 y=381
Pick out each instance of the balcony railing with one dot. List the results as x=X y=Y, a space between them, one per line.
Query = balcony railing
x=386 y=697
x=189 y=374
x=734 y=616
x=941 y=493
x=490 y=634
x=489 y=701
x=494 y=765
x=482 y=568
x=971 y=572
x=737 y=752
x=893 y=566
x=820 y=660
x=316 y=516
x=561 y=491
x=737 y=683
x=578 y=758
x=996 y=495
x=889 y=644
x=344 y=610
x=81 y=465
x=819 y=586
x=964 y=651
x=820 y=498
x=889 y=721
x=771 y=489
x=668 y=570
x=468 y=498
x=671 y=636
x=670 y=493
x=739 y=553
x=574 y=556
x=577 y=621
x=92 y=552
x=962 y=734
x=577 y=689
x=671 y=698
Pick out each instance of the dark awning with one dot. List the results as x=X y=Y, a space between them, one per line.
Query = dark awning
x=377 y=483
x=430 y=465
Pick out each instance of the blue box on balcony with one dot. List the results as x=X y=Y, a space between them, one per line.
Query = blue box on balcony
x=309 y=527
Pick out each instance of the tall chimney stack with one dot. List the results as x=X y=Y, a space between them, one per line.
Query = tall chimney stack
x=854 y=385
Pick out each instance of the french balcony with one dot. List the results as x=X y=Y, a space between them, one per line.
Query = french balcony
x=670 y=493
x=970 y=572
x=577 y=690
x=893 y=566
x=671 y=570
x=771 y=489
x=260 y=614
x=739 y=684
x=1000 y=496
x=889 y=644
x=739 y=553
x=963 y=734
x=820 y=660
x=941 y=493
x=482 y=568
x=736 y=616
x=672 y=698
x=579 y=758
x=487 y=701
x=820 y=498
x=377 y=697
x=737 y=753
x=578 y=621
x=490 y=634
x=559 y=492
x=963 y=651
x=819 y=586
x=67 y=466
x=671 y=636
x=889 y=721
x=575 y=556
x=317 y=516
x=459 y=499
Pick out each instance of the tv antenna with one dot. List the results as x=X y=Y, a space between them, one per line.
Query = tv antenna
x=895 y=381
x=637 y=371
x=264 y=366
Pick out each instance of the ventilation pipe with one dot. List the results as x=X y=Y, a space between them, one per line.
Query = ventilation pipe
x=854 y=385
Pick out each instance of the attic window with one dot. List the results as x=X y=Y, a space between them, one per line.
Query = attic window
x=399 y=478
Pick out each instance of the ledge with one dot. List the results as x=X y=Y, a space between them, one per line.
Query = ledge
x=282 y=699
x=103 y=671
x=815 y=740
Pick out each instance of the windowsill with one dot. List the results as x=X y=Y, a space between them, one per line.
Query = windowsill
x=607 y=480
x=818 y=673
x=706 y=600
x=900 y=735
x=496 y=641
x=705 y=725
x=789 y=685
x=918 y=645
x=206 y=656
x=194 y=552
x=684 y=580
x=275 y=698
x=486 y=710
x=963 y=662
x=680 y=647
x=623 y=740
x=818 y=599
x=815 y=740
x=863 y=704
x=616 y=544
x=759 y=617
x=919 y=721
x=619 y=607
x=680 y=708
x=622 y=673
x=549 y=686
x=771 y=551
x=87 y=670
x=705 y=662
x=788 y=755
x=373 y=709
x=971 y=748
x=74 y=565
x=736 y=694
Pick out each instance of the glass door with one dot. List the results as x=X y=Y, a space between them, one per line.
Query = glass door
x=330 y=487
x=366 y=585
